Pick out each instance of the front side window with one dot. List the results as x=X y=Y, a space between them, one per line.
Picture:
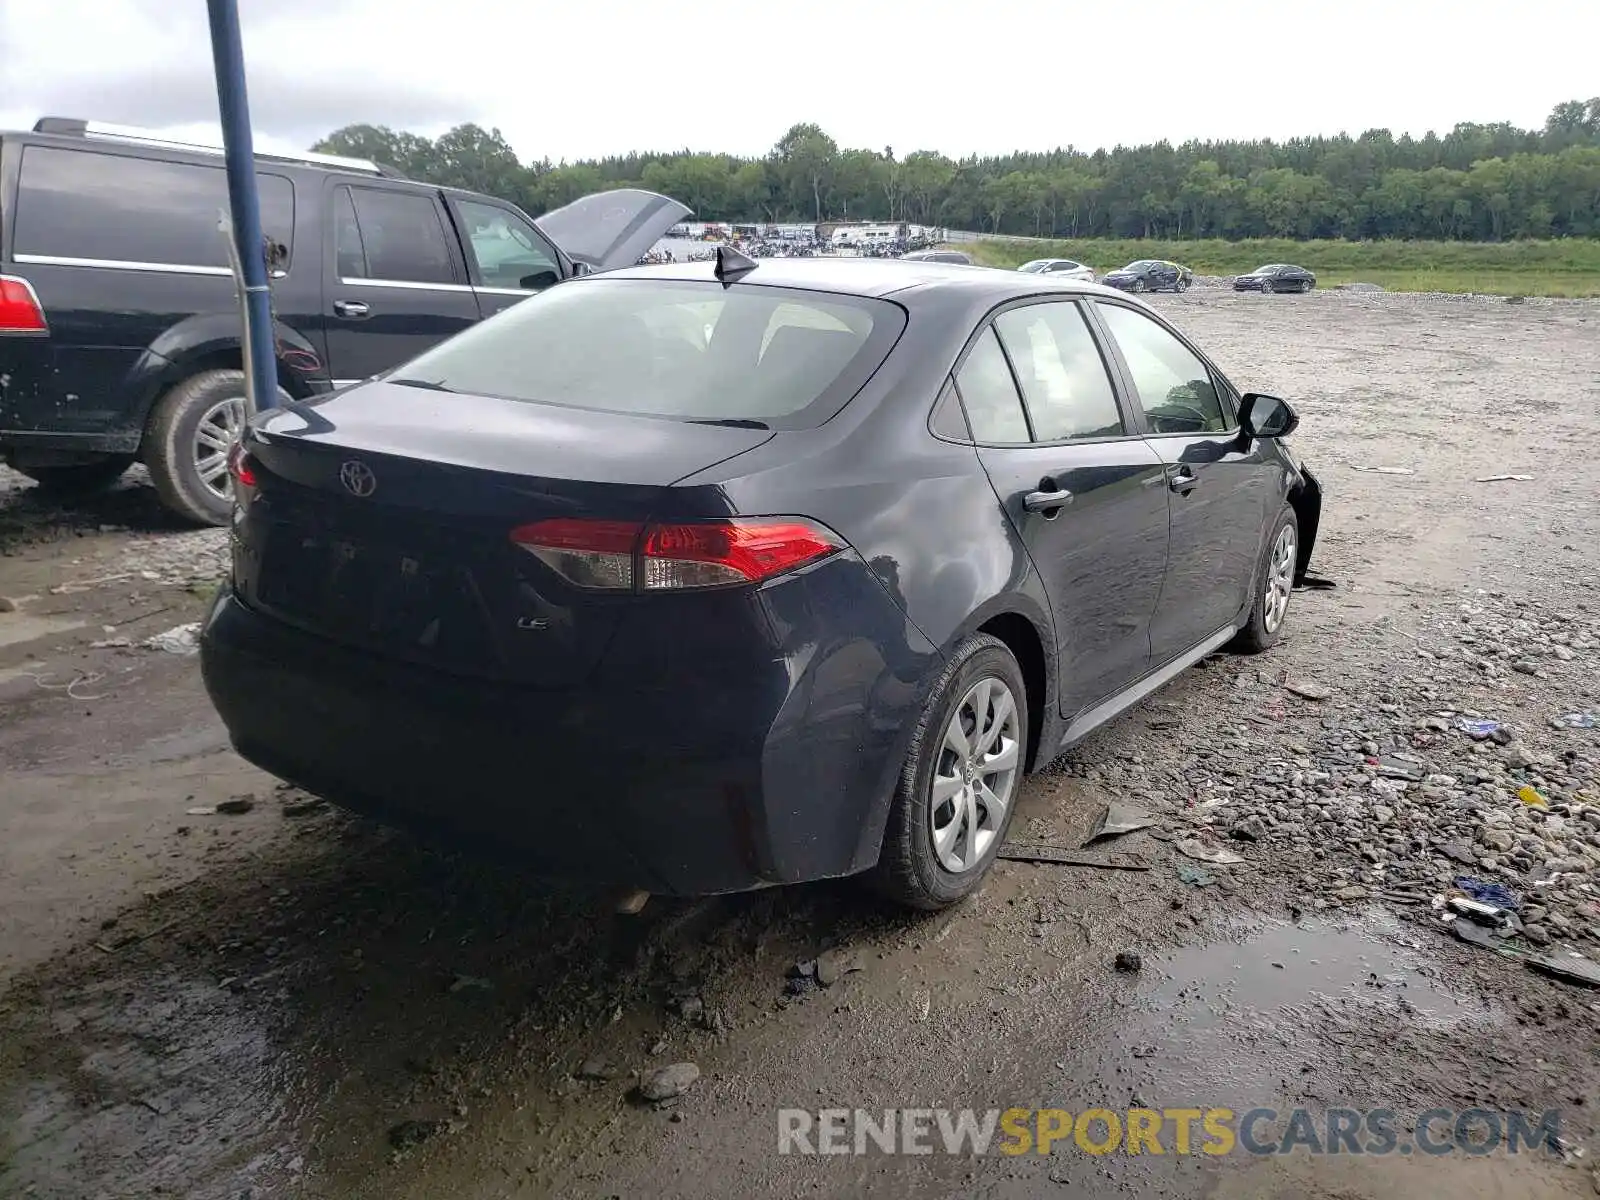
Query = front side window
x=1174 y=386
x=994 y=410
x=90 y=205
x=1064 y=380
x=507 y=250
x=402 y=236
x=771 y=357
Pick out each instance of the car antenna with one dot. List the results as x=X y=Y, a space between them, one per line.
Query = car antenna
x=732 y=266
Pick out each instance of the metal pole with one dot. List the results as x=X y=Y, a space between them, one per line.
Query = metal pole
x=227 y=53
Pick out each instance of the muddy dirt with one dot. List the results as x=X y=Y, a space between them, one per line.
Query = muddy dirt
x=289 y=1001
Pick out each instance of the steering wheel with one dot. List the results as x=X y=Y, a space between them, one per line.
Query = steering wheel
x=1186 y=418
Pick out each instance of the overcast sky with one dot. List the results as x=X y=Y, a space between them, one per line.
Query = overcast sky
x=578 y=80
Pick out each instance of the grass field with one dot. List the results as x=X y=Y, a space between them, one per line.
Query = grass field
x=1555 y=268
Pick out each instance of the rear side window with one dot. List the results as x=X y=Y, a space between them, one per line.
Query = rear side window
x=1063 y=377
x=401 y=235
x=86 y=205
x=774 y=357
x=994 y=410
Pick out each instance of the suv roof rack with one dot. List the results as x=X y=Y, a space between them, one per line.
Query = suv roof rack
x=77 y=127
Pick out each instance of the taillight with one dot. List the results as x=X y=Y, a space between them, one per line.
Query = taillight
x=241 y=467
x=630 y=556
x=20 y=311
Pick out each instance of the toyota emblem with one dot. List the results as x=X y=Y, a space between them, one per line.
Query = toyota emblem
x=358 y=478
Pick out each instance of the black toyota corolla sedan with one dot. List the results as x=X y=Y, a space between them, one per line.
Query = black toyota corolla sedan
x=705 y=577
x=1149 y=275
x=1276 y=277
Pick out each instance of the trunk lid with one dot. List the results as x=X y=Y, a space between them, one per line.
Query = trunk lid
x=381 y=518
x=608 y=230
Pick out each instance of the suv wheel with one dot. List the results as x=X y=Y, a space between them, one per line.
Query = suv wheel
x=191 y=432
x=77 y=478
x=961 y=778
x=1138 y=284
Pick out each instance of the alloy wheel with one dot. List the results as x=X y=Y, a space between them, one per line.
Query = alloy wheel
x=219 y=428
x=1280 y=580
x=975 y=776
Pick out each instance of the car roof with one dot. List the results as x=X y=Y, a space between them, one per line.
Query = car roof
x=874 y=277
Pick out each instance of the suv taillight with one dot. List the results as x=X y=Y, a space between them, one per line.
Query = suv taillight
x=20 y=311
x=632 y=556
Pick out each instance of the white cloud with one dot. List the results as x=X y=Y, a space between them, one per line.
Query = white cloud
x=578 y=80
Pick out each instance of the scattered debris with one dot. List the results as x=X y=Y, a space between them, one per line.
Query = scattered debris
x=236 y=806
x=1116 y=819
x=470 y=983
x=1505 y=478
x=409 y=1134
x=180 y=639
x=1399 y=768
x=1474 y=910
x=116 y=643
x=1573 y=968
x=304 y=806
x=1061 y=856
x=833 y=965
x=1383 y=470
x=7 y=604
x=1350 y=893
x=1530 y=796
x=1485 y=892
x=599 y=1066
x=1576 y=720
x=133 y=939
x=1215 y=855
x=1307 y=689
x=1194 y=876
x=1128 y=962
x=669 y=1083
x=1477 y=728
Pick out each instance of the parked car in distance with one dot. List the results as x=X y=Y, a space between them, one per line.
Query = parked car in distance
x=119 y=328
x=703 y=577
x=1275 y=277
x=1150 y=275
x=942 y=256
x=1059 y=268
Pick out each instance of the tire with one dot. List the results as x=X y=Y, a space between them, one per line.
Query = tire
x=1274 y=585
x=182 y=467
x=911 y=868
x=78 y=479
x=1305 y=286
x=1138 y=285
x=1181 y=286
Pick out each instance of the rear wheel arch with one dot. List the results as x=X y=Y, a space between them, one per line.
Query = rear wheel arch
x=1021 y=636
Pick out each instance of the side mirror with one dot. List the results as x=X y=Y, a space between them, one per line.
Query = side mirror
x=538 y=281
x=1263 y=416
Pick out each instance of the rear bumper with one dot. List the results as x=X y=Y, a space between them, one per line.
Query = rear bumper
x=782 y=777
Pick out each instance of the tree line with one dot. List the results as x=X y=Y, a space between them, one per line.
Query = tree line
x=1476 y=183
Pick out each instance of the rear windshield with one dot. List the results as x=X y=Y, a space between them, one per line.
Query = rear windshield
x=775 y=357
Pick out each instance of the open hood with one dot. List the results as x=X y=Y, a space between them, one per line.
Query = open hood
x=612 y=229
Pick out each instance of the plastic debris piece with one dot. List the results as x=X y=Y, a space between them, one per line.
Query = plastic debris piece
x=1577 y=720
x=1485 y=892
x=1117 y=819
x=1195 y=877
x=1530 y=796
x=1196 y=849
x=1569 y=969
x=1059 y=856
x=180 y=639
x=1477 y=728
x=1383 y=470
x=1504 y=478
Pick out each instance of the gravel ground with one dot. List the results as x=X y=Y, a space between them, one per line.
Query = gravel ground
x=296 y=1002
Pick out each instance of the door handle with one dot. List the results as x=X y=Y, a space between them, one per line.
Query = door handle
x=352 y=309
x=1046 y=502
x=1183 y=481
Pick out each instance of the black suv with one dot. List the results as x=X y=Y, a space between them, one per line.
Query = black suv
x=119 y=325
